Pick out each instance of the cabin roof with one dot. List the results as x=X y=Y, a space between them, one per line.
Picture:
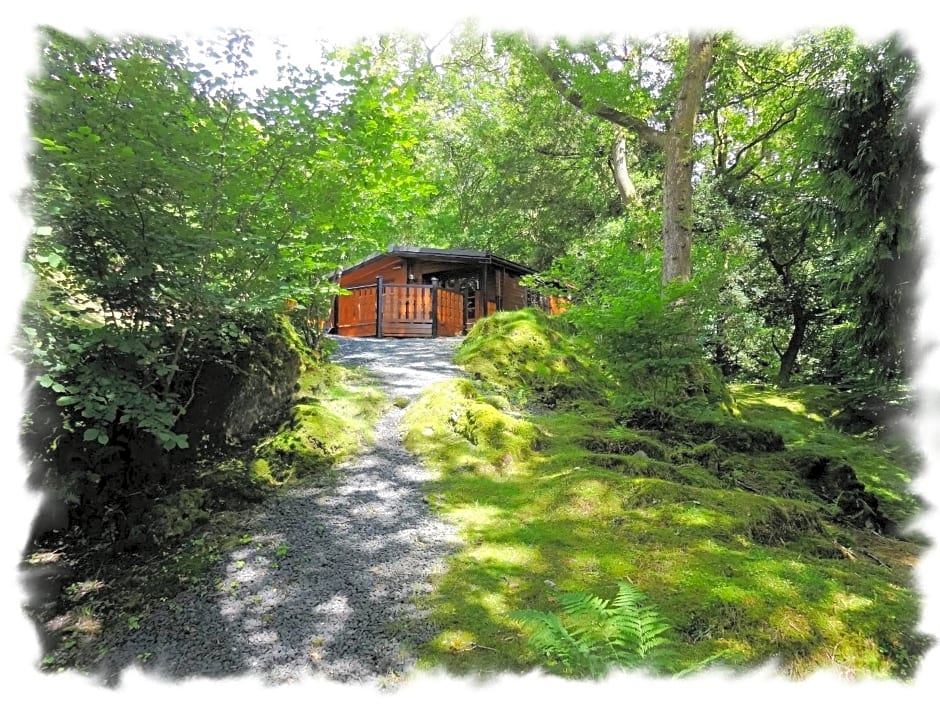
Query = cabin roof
x=430 y=253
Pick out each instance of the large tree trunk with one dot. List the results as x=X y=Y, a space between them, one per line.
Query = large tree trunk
x=677 y=182
x=677 y=212
x=675 y=140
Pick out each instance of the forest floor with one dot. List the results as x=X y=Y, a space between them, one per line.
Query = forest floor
x=737 y=526
x=389 y=564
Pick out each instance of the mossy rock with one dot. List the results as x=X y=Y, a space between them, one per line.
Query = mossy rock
x=309 y=443
x=641 y=466
x=233 y=483
x=177 y=514
x=733 y=513
x=624 y=441
x=764 y=473
x=835 y=481
x=493 y=430
x=452 y=419
x=706 y=454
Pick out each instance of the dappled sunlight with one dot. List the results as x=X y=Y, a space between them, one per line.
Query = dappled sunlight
x=776 y=584
x=842 y=601
x=790 y=624
x=733 y=548
x=505 y=555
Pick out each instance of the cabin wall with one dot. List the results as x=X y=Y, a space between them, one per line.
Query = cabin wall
x=513 y=293
x=391 y=269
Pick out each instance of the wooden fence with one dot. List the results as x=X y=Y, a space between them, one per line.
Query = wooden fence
x=400 y=311
x=415 y=310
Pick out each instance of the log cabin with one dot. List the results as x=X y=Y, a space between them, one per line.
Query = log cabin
x=411 y=292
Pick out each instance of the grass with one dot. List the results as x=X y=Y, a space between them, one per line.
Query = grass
x=754 y=575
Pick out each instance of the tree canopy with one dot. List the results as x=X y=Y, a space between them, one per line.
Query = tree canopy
x=773 y=188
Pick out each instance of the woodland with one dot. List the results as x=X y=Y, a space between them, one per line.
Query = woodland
x=733 y=225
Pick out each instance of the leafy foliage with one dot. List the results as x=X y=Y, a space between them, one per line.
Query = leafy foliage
x=174 y=212
x=652 y=339
x=871 y=172
x=594 y=634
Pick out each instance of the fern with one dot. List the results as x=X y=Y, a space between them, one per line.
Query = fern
x=593 y=634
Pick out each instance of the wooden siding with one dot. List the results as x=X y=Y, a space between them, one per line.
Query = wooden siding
x=391 y=269
x=407 y=311
x=513 y=293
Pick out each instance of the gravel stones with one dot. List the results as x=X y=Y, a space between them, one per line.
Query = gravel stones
x=328 y=583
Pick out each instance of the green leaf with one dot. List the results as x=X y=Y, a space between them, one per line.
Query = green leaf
x=67 y=401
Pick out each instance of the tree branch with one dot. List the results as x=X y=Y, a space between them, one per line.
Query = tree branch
x=782 y=121
x=636 y=125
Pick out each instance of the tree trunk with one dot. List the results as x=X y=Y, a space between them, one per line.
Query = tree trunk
x=676 y=141
x=677 y=212
x=677 y=182
x=788 y=359
x=618 y=165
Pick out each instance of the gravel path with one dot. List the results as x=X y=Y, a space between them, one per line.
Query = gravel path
x=327 y=584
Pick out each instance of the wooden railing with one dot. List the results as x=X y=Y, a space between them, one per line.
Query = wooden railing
x=415 y=310
x=400 y=311
x=355 y=312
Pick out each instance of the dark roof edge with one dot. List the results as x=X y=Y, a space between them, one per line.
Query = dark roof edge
x=476 y=255
x=435 y=253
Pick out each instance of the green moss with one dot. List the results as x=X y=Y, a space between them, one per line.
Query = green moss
x=707 y=514
x=523 y=353
x=261 y=471
x=177 y=514
x=309 y=443
x=690 y=382
x=335 y=411
x=454 y=421
x=886 y=465
x=622 y=441
x=721 y=518
x=690 y=428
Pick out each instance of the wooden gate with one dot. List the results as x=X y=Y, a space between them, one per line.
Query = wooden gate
x=400 y=311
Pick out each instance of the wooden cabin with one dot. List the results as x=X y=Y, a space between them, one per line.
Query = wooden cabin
x=423 y=292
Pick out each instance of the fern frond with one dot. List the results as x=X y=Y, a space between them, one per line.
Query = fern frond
x=593 y=633
x=628 y=596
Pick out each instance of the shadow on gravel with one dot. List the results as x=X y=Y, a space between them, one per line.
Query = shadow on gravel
x=327 y=583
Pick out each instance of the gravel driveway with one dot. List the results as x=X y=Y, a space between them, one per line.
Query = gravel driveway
x=327 y=584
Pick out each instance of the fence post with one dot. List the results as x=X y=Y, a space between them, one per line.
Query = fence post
x=465 y=292
x=434 y=283
x=379 y=283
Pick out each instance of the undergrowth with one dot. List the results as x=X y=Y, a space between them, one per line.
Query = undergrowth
x=333 y=415
x=593 y=634
x=743 y=529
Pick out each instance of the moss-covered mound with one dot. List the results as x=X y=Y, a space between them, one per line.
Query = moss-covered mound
x=333 y=416
x=466 y=430
x=524 y=353
x=763 y=535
